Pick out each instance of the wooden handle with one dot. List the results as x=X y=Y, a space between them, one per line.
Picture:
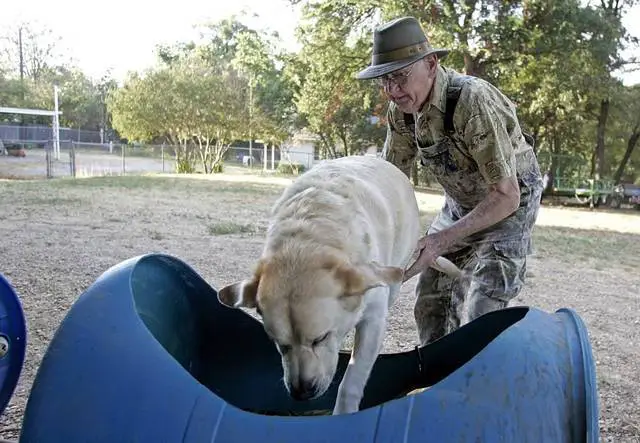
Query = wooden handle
x=443 y=265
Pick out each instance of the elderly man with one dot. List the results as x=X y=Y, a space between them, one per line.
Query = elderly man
x=467 y=134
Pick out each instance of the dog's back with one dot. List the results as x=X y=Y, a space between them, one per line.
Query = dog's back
x=361 y=204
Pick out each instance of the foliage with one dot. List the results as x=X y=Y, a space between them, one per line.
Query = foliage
x=555 y=59
x=31 y=85
x=336 y=107
x=38 y=48
x=288 y=168
x=623 y=137
x=204 y=96
x=194 y=106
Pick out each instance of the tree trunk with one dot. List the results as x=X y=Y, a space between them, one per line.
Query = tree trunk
x=203 y=156
x=553 y=166
x=631 y=144
x=414 y=174
x=473 y=65
x=342 y=133
x=328 y=146
x=536 y=134
x=598 y=168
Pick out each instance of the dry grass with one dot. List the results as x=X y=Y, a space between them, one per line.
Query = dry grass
x=57 y=237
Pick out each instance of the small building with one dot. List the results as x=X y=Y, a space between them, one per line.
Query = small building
x=300 y=149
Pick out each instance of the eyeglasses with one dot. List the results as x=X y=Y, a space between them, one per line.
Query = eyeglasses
x=399 y=79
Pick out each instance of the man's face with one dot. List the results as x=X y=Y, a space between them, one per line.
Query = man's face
x=410 y=87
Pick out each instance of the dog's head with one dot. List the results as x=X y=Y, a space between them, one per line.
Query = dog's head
x=308 y=306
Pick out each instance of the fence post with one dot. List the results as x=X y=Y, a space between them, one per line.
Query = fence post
x=162 y=155
x=72 y=159
x=123 y=156
x=47 y=155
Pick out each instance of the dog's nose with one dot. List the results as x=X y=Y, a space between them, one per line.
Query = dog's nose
x=304 y=390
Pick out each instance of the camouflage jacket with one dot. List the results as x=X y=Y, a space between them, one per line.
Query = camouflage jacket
x=487 y=143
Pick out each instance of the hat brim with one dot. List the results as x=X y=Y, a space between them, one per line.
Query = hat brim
x=376 y=71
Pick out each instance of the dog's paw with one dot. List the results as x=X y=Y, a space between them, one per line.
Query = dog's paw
x=344 y=409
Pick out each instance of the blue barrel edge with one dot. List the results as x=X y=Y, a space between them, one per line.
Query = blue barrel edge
x=592 y=405
x=14 y=328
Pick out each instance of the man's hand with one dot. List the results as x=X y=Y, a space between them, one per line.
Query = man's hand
x=502 y=200
x=429 y=248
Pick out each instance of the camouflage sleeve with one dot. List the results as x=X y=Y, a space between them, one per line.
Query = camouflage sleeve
x=486 y=134
x=399 y=149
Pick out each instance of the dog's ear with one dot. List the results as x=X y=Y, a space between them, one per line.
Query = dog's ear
x=242 y=294
x=358 y=279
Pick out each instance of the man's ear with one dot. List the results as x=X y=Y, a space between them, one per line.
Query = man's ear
x=358 y=279
x=432 y=63
x=242 y=294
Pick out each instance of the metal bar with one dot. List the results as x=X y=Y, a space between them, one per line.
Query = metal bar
x=24 y=111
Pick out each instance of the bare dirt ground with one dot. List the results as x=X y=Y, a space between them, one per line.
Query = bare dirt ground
x=58 y=236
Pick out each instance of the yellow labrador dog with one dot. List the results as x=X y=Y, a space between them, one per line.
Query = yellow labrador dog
x=339 y=239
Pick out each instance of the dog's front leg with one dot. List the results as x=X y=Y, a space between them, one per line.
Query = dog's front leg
x=368 y=341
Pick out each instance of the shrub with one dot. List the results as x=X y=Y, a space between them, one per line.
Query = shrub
x=290 y=168
x=184 y=166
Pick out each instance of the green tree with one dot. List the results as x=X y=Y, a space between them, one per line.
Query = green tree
x=252 y=62
x=610 y=39
x=146 y=107
x=553 y=58
x=211 y=101
x=33 y=65
x=624 y=134
x=336 y=106
x=197 y=107
x=30 y=52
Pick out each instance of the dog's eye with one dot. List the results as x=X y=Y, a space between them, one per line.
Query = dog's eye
x=319 y=340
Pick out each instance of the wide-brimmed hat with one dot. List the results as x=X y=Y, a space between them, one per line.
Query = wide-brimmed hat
x=397 y=44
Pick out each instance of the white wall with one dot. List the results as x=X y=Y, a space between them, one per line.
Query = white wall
x=300 y=153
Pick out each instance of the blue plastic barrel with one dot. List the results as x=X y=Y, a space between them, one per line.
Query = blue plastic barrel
x=149 y=354
x=13 y=341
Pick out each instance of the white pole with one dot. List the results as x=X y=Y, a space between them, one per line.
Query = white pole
x=250 y=114
x=273 y=156
x=56 y=125
x=265 y=154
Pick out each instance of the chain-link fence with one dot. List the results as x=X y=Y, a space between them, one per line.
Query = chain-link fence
x=271 y=158
x=73 y=159
x=95 y=159
x=30 y=132
x=39 y=159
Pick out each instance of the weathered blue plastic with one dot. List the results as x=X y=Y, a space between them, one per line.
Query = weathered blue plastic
x=13 y=334
x=149 y=354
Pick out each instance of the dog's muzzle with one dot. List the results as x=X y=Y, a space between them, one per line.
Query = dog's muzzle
x=303 y=390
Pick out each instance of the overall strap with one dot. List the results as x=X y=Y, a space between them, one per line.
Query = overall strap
x=453 y=94
x=409 y=121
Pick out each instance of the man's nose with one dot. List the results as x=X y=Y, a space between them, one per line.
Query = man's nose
x=388 y=86
x=391 y=89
